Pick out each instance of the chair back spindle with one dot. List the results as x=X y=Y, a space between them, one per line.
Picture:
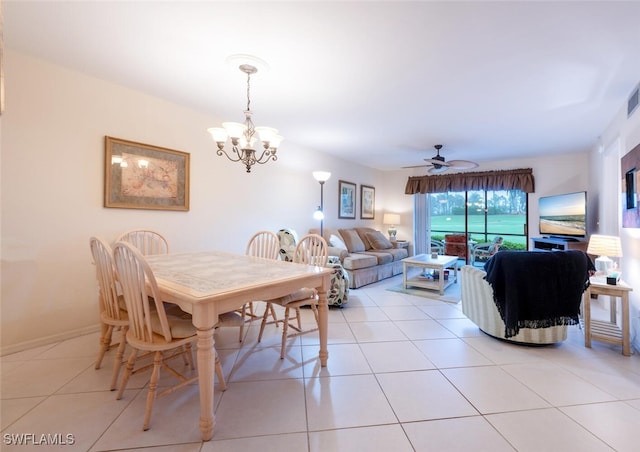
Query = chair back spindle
x=148 y=242
x=134 y=274
x=312 y=250
x=263 y=244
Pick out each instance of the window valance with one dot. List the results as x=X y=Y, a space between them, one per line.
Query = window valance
x=517 y=179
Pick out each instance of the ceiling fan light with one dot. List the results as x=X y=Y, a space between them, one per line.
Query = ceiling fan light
x=435 y=170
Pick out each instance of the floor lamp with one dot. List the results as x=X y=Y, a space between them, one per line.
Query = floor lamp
x=321 y=177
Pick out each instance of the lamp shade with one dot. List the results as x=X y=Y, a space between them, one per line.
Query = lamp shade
x=321 y=176
x=604 y=245
x=391 y=218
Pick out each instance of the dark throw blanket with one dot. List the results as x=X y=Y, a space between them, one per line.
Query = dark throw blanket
x=538 y=289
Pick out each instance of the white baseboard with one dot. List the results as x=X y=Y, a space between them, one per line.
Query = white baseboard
x=48 y=340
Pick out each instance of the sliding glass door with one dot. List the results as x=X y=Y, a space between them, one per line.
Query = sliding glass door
x=482 y=214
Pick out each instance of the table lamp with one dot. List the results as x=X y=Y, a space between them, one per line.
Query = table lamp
x=392 y=219
x=605 y=247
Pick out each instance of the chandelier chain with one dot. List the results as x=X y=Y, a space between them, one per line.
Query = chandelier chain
x=248 y=92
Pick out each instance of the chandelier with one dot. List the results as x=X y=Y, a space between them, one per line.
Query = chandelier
x=242 y=135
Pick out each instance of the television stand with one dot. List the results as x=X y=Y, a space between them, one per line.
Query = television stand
x=557 y=244
x=566 y=239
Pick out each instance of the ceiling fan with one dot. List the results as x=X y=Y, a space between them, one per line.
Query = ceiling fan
x=438 y=164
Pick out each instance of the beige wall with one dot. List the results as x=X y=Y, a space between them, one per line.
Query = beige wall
x=622 y=135
x=52 y=141
x=556 y=174
x=52 y=154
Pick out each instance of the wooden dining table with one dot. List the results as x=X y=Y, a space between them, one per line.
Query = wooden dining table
x=209 y=283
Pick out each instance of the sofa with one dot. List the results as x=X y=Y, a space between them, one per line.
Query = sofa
x=526 y=297
x=366 y=254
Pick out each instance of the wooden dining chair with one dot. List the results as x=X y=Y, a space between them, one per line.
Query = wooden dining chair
x=311 y=250
x=263 y=244
x=113 y=314
x=147 y=241
x=151 y=329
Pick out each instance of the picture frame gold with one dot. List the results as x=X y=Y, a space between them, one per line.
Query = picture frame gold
x=346 y=200
x=367 y=202
x=143 y=176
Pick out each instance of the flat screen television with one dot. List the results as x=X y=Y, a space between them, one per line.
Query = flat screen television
x=564 y=216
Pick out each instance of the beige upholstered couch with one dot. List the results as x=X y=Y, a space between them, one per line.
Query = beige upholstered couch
x=365 y=253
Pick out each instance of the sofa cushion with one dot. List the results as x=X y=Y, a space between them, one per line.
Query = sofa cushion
x=382 y=256
x=362 y=232
x=378 y=241
x=398 y=253
x=352 y=240
x=337 y=242
x=357 y=261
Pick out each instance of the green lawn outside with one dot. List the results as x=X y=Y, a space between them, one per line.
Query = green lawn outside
x=508 y=226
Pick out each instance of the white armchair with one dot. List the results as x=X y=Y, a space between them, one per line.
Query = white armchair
x=478 y=305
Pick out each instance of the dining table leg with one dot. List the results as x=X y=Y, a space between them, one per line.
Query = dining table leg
x=323 y=325
x=205 y=380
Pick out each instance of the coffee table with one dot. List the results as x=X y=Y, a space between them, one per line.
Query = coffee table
x=426 y=262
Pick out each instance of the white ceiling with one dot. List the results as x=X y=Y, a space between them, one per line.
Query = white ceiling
x=375 y=82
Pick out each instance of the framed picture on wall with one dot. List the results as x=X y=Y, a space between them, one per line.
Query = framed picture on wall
x=367 y=202
x=346 y=200
x=142 y=176
x=629 y=166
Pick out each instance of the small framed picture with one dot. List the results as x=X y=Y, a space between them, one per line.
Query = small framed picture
x=367 y=202
x=142 y=176
x=347 y=200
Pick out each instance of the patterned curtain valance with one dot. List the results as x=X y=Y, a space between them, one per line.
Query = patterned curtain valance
x=517 y=179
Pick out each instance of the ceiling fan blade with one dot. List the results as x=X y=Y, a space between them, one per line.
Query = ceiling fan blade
x=437 y=162
x=416 y=166
x=462 y=164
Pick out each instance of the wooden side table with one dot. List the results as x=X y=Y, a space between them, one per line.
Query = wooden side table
x=608 y=331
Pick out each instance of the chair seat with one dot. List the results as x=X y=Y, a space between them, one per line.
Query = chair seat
x=179 y=327
x=312 y=250
x=298 y=295
x=152 y=330
x=180 y=322
x=122 y=321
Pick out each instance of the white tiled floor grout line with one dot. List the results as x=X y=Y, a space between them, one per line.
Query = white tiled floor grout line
x=483 y=391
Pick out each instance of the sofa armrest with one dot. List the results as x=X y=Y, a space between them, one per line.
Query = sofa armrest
x=338 y=252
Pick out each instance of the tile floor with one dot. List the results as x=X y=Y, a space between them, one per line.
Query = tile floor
x=405 y=373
